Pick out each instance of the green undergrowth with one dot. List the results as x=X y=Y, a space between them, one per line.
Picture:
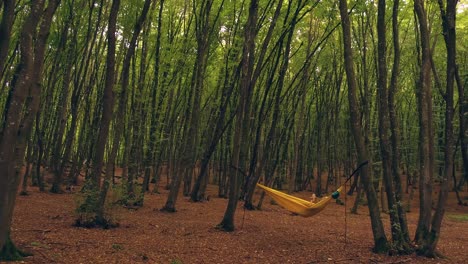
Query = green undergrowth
x=458 y=217
x=10 y=252
x=87 y=206
x=119 y=195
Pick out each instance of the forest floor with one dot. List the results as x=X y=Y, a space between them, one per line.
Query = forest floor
x=43 y=225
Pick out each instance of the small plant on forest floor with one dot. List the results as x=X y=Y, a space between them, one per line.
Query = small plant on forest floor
x=458 y=218
x=38 y=244
x=117 y=246
x=86 y=212
x=121 y=196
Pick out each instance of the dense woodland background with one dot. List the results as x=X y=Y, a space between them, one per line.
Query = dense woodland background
x=291 y=93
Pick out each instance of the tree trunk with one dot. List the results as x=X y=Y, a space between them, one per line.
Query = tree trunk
x=29 y=167
x=151 y=153
x=62 y=109
x=40 y=154
x=187 y=157
x=78 y=84
x=6 y=25
x=253 y=174
x=380 y=239
x=25 y=90
x=242 y=118
x=448 y=15
x=94 y=180
x=107 y=99
x=198 y=191
x=399 y=243
x=395 y=127
x=425 y=117
x=121 y=109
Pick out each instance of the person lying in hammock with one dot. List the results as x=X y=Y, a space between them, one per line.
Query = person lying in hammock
x=313 y=198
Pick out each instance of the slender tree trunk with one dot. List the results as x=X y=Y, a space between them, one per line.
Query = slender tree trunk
x=242 y=118
x=198 y=191
x=394 y=125
x=78 y=84
x=203 y=31
x=188 y=154
x=384 y=127
x=107 y=99
x=380 y=239
x=150 y=167
x=8 y=16
x=425 y=117
x=121 y=108
x=448 y=14
x=265 y=165
x=40 y=154
x=25 y=92
x=62 y=110
x=151 y=153
x=463 y=126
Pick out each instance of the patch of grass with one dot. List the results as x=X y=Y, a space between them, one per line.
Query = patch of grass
x=117 y=246
x=458 y=217
x=35 y=244
x=39 y=244
x=176 y=261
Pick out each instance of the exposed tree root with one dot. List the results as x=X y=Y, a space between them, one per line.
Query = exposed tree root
x=225 y=227
x=168 y=209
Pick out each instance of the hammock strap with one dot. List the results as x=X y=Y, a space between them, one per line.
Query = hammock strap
x=345 y=219
x=346 y=204
x=356 y=170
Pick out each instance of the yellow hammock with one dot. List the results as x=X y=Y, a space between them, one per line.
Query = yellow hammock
x=297 y=205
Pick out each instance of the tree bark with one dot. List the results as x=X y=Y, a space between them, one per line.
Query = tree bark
x=254 y=175
x=121 y=108
x=425 y=117
x=399 y=242
x=108 y=97
x=448 y=15
x=394 y=125
x=242 y=118
x=198 y=191
x=78 y=84
x=62 y=108
x=6 y=25
x=380 y=239
x=151 y=153
x=25 y=92
x=187 y=156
